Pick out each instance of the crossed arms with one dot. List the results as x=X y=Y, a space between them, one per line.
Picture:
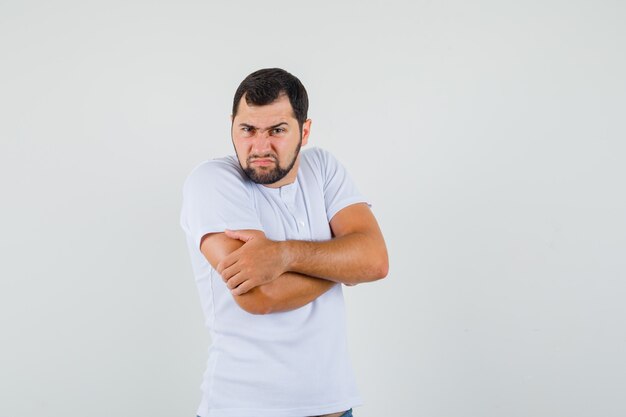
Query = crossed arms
x=267 y=276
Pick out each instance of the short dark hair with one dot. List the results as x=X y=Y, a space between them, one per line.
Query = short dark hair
x=266 y=85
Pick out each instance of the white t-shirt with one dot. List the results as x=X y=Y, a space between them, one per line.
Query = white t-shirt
x=289 y=364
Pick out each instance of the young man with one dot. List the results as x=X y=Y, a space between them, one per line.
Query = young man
x=272 y=235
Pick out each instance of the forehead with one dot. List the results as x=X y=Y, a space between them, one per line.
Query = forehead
x=279 y=110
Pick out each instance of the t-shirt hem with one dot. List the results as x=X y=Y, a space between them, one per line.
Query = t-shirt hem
x=283 y=412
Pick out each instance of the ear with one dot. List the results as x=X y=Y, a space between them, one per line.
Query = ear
x=306 y=129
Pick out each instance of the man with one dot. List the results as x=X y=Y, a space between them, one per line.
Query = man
x=272 y=234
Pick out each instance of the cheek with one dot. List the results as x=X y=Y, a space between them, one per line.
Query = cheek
x=241 y=144
x=285 y=144
x=242 y=150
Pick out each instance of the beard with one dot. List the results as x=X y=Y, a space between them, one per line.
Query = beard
x=268 y=175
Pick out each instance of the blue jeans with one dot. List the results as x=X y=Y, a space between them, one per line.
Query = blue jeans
x=346 y=414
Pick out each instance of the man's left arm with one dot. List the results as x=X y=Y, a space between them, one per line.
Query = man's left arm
x=357 y=253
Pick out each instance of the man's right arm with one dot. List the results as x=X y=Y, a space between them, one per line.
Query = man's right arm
x=287 y=292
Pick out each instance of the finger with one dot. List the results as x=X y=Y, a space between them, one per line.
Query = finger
x=230 y=272
x=243 y=288
x=227 y=262
x=235 y=281
x=239 y=235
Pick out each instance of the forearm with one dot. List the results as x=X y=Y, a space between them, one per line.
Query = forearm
x=356 y=254
x=287 y=292
x=350 y=259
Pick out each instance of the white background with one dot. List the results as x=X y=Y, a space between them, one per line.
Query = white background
x=489 y=136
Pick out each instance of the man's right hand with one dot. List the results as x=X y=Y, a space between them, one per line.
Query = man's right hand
x=259 y=261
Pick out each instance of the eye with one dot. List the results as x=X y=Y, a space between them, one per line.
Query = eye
x=278 y=131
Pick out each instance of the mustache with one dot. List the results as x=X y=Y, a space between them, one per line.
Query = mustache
x=265 y=156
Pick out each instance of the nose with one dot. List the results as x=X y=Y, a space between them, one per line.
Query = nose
x=261 y=143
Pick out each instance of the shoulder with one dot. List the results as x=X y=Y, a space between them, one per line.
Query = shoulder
x=316 y=154
x=322 y=163
x=220 y=170
x=318 y=159
x=225 y=166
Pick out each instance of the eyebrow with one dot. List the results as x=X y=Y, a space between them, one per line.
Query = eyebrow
x=269 y=128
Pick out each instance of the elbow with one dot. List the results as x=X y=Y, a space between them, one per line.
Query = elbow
x=254 y=302
x=377 y=269
x=382 y=269
x=380 y=262
x=385 y=270
x=255 y=309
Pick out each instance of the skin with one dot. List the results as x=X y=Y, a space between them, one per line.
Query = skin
x=355 y=255
x=267 y=136
x=267 y=276
x=287 y=292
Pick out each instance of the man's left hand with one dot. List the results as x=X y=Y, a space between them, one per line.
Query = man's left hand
x=257 y=262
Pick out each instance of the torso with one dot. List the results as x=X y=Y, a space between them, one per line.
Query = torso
x=282 y=344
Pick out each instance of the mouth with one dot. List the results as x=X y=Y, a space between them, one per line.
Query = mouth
x=261 y=161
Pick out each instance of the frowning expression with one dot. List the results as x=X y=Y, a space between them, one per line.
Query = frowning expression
x=267 y=140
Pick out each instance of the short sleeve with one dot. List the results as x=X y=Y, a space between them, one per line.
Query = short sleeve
x=215 y=198
x=340 y=190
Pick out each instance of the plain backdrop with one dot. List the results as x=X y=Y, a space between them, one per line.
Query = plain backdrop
x=489 y=136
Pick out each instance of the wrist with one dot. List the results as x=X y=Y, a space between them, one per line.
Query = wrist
x=286 y=252
x=298 y=255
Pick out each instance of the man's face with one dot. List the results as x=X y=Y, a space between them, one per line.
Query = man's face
x=267 y=141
